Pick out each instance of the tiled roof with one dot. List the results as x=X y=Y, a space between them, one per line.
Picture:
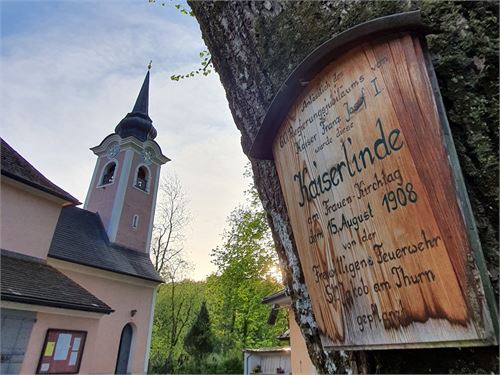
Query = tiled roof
x=30 y=280
x=80 y=237
x=16 y=167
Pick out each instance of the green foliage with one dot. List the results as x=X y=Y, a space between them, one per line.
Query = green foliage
x=232 y=363
x=205 y=68
x=233 y=317
x=179 y=7
x=198 y=342
x=183 y=10
x=228 y=363
x=246 y=273
x=176 y=308
x=248 y=248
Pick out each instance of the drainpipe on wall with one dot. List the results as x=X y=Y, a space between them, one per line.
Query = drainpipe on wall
x=246 y=360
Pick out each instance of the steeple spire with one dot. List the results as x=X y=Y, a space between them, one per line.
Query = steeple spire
x=142 y=102
x=138 y=123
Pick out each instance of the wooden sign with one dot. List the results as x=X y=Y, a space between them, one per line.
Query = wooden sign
x=366 y=171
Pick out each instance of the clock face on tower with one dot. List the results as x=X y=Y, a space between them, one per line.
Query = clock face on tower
x=147 y=155
x=113 y=150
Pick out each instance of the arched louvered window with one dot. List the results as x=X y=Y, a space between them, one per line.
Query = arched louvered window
x=142 y=179
x=109 y=174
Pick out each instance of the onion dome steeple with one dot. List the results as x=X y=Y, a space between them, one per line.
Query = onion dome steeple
x=138 y=123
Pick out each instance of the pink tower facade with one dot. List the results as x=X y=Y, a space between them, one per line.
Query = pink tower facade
x=124 y=185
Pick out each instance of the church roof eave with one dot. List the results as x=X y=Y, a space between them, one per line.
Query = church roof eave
x=14 y=166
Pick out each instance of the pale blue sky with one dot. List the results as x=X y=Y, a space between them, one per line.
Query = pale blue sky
x=71 y=70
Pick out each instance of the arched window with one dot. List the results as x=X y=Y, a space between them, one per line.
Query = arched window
x=142 y=179
x=122 y=362
x=109 y=174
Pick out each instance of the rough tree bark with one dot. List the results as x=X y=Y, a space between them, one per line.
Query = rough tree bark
x=255 y=45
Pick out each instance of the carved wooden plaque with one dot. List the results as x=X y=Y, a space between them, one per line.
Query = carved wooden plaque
x=373 y=204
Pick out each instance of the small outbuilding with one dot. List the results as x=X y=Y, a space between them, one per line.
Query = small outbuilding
x=267 y=361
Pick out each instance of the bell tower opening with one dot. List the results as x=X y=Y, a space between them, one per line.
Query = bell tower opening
x=108 y=174
x=142 y=179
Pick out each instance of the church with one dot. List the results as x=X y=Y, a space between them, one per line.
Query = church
x=77 y=284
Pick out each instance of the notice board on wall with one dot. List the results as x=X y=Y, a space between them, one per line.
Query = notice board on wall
x=375 y=196
x=62 y=352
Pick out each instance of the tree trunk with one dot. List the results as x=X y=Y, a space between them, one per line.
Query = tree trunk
x=255 y=45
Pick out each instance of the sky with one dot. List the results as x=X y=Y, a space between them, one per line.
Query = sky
x=71 y=70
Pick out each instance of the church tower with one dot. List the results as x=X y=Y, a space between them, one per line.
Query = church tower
x=125 y=182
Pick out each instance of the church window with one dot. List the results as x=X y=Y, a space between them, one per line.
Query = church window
x=124 y=350
x=109 y=174
x=135 y=221
x=142 y=178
